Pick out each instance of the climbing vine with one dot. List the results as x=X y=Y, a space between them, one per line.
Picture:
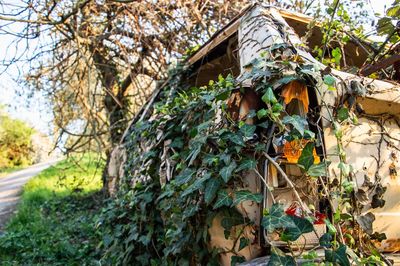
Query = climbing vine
x=186 y=162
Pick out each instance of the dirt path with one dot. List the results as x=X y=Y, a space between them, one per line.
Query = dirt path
x=11 y=186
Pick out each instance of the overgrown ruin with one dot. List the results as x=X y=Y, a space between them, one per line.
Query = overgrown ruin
x=253 y=148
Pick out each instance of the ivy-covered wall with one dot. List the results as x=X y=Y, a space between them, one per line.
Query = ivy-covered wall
x=194 y=167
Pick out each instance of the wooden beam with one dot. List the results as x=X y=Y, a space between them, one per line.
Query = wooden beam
x=214 y=42
x=384 y=63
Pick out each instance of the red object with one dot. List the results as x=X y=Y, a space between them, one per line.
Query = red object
x=320 y=218
x=294 y=210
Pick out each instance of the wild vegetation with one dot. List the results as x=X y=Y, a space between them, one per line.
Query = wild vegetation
x=55 y=222
x=204 y=155
x=104 y=65
x=16 y=149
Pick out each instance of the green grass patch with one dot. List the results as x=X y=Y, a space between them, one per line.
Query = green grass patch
x=56 y=219
x=9 y=170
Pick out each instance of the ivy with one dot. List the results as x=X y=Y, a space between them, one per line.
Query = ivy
x=298 y=123
x=246 y=164
x=276 y=218
x=224 y=199
x=306 y=159
x=316 y=170
x=186 y=162
x=284 y=260
x=226 y=171
x=212 y=187
x=243 y=195
x=298 y=227
x=338 y=256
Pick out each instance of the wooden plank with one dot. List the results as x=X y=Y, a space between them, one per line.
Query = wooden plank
x=384 y=63
x=214 y=42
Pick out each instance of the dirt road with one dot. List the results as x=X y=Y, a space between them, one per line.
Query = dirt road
x=11 y=186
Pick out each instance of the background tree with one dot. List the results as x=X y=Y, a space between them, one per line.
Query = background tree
x=98 y=61
x=16 y=147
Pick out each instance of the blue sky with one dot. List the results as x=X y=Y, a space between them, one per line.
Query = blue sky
x=34 y=110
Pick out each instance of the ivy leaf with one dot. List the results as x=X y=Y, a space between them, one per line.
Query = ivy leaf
x=331 y=228
x=243 y=195
x=276 y=218
x=365 y=221
x=269 y=97
x=246 y=164
x=262 y=113
x=378 y=236
x=252 y=113
x=285 y=260
x=298 y=122
x=277 y=107
x=244 y=242
x=223 y=199
x=286 y=80
x=343 y=114
x=209 y=159
x=345 y=168
x=177 y=143
x=337 y=55
x=236 y=260
x=226 y=171
x=325 y=240
x=385 y=26
x=211 y=189
x=377 y=202
x=194 y=152
x=237 y=139
x=184 y=177
x=231 y=218
x=329 y=80
x=223 y=95
x=316 y=170
x=300 y=226
x=307 y=158
x=203 y=126
x=225 y=157
x=338 y=256
x=393 y=11
x=362 y=196
x=198 y=184
x=309 y=134
x=248 y=130
x=190 y=211
x=264 y=124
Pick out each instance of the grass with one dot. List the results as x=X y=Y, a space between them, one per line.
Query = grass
x=9 y=170
x=56 y=218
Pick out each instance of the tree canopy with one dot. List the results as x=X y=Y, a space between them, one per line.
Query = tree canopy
x=16 y=147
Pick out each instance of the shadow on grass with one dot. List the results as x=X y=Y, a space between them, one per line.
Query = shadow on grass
x=56 y=219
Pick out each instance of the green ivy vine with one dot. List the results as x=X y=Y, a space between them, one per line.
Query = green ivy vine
x=185 y=166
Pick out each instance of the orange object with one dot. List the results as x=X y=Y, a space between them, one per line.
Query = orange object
x=293 y=149
x=296 y=90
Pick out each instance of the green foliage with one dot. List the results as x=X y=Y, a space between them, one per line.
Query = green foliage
x=55 y=224
x=316 y=170
x=293 y=227
x=276 y=219
x=15 y=143
x=167 y=223
x=298 y=123
x=281 y=260
x=338 y=256
x=156 y=221
x=306 y=159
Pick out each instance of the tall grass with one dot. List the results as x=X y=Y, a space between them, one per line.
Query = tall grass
x=55 y=220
